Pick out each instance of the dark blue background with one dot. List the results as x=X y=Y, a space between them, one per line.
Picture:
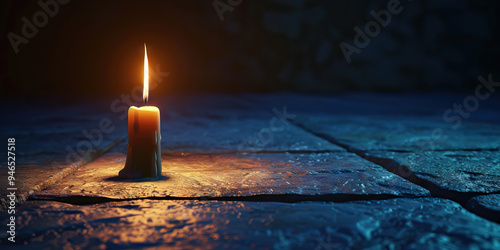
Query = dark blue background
x=91 y=48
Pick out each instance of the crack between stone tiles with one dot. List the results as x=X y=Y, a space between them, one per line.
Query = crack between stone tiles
x=282 y=198
x=393 y=166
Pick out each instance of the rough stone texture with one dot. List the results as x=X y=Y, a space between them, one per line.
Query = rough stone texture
x=487 y=206
x=28 y=176
x=404 y=133
x=198 y=175
x=461 y=171
x=452 y=160
x=389 y=224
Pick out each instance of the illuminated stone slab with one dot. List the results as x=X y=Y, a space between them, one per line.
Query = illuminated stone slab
x=322 y=176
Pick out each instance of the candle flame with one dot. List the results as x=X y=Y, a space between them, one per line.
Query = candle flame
x=145 y=91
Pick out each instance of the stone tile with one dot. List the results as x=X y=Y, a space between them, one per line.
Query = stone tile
x=398 y=133
x=292 y=177
x=419 y=223
x=487 y=206
x=459 y=171
x=28 y=177
x=198 y=134
x=214 y=106
x=31 y=178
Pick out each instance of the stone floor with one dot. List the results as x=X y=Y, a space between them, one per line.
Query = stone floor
x=269 y=171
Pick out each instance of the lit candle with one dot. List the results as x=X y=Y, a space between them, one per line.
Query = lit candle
x=144 y=139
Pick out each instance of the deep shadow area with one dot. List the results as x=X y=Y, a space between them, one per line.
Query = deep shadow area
x=148 y=179
x=89 y=48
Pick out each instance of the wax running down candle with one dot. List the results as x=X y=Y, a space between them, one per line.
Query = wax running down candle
x=144 y=143
x=144 y=138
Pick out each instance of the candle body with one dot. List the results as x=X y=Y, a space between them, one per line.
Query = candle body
x=144 y=143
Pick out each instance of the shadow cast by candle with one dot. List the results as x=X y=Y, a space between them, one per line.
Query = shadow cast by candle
x=146 y=179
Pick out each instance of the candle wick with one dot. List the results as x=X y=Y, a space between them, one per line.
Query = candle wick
x=146 y=100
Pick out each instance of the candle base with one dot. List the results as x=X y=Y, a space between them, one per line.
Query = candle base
x=141 y=164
